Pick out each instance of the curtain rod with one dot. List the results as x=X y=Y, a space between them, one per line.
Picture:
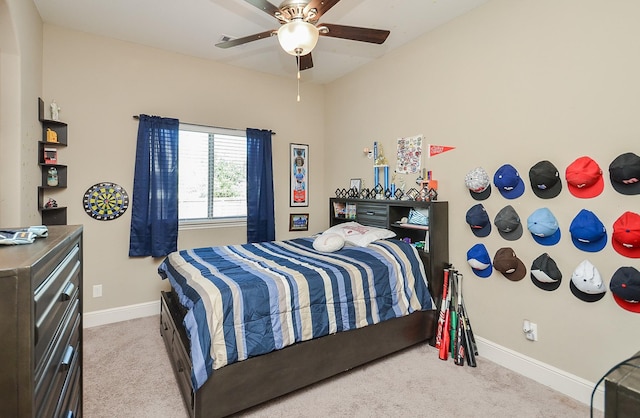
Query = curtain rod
x=136 y=117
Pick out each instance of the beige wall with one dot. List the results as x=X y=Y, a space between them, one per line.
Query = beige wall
x=513 y=82
x=101 y=83
x=20 y=83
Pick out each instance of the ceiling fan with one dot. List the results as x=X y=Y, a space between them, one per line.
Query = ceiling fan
x=299 y=30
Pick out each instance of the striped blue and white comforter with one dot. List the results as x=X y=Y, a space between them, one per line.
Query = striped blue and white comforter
x=247 y=300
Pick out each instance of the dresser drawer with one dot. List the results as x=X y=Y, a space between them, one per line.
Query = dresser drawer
x=58 y=365
x=68 y=403
x=167 y=329
x=372 y=214
x=53 y=297
x=180 y=359
x=182 y=367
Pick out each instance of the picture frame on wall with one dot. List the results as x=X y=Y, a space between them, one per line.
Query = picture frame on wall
x=298 y=222
x=299 y=174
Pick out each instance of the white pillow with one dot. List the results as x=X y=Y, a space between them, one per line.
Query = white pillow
x=360 y=235
x=328 y=243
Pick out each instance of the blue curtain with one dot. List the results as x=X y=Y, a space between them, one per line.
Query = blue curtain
x=260 y=213
x=154 y=209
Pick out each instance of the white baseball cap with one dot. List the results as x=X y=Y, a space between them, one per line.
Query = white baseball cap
x=478 y=183
x=586 y=283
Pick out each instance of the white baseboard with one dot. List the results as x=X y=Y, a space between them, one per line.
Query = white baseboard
x=124 y=313
x=566 y=383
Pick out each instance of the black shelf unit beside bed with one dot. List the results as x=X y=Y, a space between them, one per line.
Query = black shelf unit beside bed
x=388 y=214
x=56 y=215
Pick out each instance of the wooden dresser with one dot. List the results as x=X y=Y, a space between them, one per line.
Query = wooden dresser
x=622 y=390
x=41 y=326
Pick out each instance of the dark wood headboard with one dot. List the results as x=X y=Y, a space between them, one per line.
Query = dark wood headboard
x=388 y=214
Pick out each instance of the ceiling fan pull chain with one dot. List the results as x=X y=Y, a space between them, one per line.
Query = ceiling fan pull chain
x=298 y=61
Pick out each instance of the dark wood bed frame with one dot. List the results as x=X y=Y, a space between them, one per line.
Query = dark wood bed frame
x=242 y=385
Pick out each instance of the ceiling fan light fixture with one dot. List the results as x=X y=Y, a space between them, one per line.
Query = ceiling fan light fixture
x=298 y=37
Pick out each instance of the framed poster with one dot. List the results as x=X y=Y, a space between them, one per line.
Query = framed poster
x=299 y=178
x=298 y=222
x=409 y=155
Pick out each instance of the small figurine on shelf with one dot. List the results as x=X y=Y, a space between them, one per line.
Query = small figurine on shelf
x=55 y=110
x=52 y=136
x=51 y=203
x=52 y=177
x=424 y=191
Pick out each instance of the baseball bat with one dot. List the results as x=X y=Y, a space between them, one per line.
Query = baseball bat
x=467 y=348
x=443 y=308
x=453 y=315
x=471 y=358
x=470 y=335
x=459 y=344
x=443 y=354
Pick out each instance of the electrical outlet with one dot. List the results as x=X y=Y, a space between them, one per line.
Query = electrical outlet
x=97 y=291
x=530 y=330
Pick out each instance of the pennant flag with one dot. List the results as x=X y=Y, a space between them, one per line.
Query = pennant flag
x=438 y=149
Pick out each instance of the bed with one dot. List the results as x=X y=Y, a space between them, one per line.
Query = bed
x=287 y=316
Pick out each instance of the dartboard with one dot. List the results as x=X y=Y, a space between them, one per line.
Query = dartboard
x=105 y=201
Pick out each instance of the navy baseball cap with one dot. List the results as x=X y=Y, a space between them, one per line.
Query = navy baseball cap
x=508 y=182
x=625 y=287
x=587 y=232
x=480 y=261
x=478 y=220
x=544 y=227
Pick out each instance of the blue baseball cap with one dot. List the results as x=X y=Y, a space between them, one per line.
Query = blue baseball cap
x=587 y=232
x=478 y=220
x=508 y=182
x=480 y=261
x=544 y=227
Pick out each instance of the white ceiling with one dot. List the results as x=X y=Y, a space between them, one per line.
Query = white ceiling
x=193 y=27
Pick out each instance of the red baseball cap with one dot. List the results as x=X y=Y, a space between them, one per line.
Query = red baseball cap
x=626 y=235
x=584 y=178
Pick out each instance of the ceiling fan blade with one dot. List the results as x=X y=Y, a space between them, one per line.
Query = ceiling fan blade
x=374 y=36
x=265 y=6
x=306 y=62
x=244 y=40
x=322 y=6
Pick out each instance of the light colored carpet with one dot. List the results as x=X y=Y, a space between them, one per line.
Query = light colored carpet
x=127 y=373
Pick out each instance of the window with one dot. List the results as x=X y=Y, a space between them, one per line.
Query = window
x=212 y=175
